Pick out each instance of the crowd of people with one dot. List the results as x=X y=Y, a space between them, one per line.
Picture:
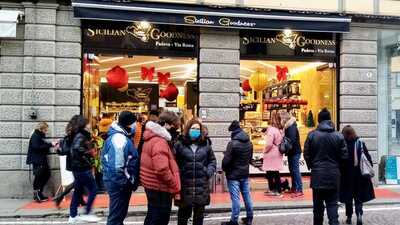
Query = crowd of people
x=175 y=163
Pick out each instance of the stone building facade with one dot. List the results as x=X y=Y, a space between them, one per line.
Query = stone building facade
x=40 y=70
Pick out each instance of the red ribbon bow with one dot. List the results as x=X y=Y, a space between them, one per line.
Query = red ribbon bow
x=282 y=73
x=163 y=78
x=147 y=73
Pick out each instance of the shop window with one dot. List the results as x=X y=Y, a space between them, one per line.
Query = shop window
x=299 y=87
x=388 y=105
x=137 y=83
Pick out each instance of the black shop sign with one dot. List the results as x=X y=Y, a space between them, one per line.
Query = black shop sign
x=139 y=38
x=284 y=44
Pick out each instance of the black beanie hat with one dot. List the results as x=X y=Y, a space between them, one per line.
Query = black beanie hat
x=126 y=118
x=324 y=115
x=234 y=125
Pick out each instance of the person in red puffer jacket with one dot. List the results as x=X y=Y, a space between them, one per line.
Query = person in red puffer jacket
x=159 y=172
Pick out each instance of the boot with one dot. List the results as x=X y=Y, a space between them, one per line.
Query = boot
x=42 y=197
x=230 y=223
x=348 y=221
x=247 y=221
x=359 y=220
x=38 y=196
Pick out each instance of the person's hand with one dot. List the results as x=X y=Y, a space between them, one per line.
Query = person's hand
x=177 y=196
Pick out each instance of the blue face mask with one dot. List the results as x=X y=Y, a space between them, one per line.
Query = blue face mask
x=194 y=134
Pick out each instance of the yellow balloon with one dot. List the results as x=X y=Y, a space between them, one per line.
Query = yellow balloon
x=258 y=81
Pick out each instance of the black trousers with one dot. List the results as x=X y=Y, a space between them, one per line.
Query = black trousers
x=185 y=212
x=274 y=181
x=119 y=202
x=358 y=207
x=159 y=206
x=42 y=175
x=325 y=198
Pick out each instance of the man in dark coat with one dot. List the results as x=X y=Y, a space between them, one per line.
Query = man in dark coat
x=235 y=164
x=325 y=152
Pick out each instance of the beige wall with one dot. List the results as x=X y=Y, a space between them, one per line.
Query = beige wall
x=383 y=7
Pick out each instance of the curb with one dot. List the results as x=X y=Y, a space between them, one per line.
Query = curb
x=103 y=211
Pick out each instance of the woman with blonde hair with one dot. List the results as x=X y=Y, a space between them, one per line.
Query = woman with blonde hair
x=38 y=150
x=273 y=159
x=294 y=154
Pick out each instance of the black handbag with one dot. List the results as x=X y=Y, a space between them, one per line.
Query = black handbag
x=285 y=146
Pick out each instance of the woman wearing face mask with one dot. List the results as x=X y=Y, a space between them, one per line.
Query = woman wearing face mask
x=197 y=165
x=159 y=173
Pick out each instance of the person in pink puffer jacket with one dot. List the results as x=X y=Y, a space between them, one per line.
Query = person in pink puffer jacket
x=273 y=159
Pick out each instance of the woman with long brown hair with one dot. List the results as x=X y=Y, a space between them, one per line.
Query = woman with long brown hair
x=80 y=162
x=273 y=159
x=197 y=165
x=354 y=186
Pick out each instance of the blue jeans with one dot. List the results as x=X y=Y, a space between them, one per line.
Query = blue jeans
x=120 y=196
x=235 y=188
x=294 y=168
x=82 y=180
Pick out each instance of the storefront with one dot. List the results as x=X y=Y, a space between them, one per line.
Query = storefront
x=286 y=61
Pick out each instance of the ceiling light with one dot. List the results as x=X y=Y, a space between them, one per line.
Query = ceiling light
x=247 y=69
x=305 y=67
x=111 y=59
x=188 y=66
x=266 y=64
x=287 y=32
x=140 y=64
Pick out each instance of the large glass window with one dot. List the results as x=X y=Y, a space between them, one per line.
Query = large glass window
x=137 y=83
x=388 y=96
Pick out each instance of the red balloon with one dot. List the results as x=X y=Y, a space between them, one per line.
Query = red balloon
x=170 y=93
x=117 y=77
x=246 y=85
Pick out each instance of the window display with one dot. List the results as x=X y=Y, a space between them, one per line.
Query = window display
x=138 y=84
x=301 y=88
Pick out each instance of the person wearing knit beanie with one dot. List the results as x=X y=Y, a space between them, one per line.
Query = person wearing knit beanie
x=126 y=119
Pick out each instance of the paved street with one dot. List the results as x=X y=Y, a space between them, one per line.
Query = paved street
x=377 y=215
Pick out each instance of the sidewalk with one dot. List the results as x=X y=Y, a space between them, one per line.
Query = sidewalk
x=220 y=202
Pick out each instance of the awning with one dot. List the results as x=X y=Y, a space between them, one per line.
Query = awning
x=208 y=16
x=8 y=23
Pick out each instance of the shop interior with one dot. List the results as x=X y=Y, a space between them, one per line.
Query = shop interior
x=113 y=83
x=302 y=88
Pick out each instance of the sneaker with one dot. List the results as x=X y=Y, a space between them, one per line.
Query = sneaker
x=89 y=218
x=277 y=194
x=73 y=220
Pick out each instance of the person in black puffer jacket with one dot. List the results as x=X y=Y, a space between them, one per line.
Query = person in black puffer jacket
x=325 y=153
x=236 y=163
x=37 y=156
x=80 y=162
x=197 y=164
